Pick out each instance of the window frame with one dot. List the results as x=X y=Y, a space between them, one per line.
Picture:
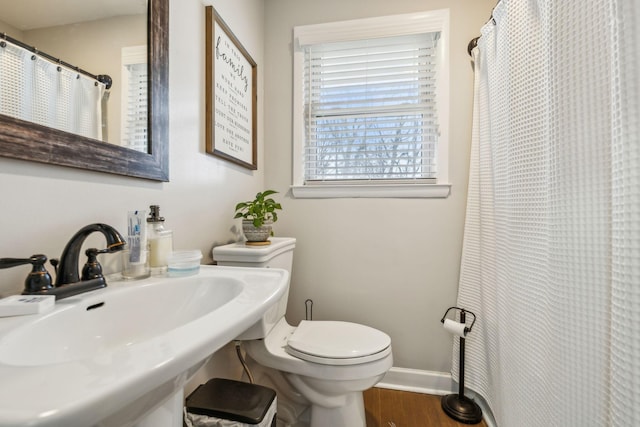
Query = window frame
x=385 y=26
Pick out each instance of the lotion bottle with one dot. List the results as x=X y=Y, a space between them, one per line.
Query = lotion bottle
x=160 y=241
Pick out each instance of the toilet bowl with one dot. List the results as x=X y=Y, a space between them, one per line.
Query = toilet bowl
x=327 y=363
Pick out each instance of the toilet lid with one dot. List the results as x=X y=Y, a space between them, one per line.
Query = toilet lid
x=337 y=343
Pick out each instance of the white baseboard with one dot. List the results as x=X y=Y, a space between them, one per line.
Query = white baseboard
x=418 y=381
x=430 y=382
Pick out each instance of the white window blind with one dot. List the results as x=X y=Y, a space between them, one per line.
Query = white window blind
x=370 y=110
x=134 y=99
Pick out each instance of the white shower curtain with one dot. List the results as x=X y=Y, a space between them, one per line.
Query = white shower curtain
x=34 y=89
x=551 y=255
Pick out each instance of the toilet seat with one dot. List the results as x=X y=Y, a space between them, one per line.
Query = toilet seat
x=337 y=343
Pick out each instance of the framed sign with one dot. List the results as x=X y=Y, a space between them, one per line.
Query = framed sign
x=231 y=85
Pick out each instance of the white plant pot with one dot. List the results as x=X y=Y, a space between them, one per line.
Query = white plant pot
x=256 y=234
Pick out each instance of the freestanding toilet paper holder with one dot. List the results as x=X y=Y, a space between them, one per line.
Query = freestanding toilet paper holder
x=458 y=406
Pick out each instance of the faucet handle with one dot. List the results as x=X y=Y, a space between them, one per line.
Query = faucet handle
x=38 y=279
x=14 y=262
x=92 y=268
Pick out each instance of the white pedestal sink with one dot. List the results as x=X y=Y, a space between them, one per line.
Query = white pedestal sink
x=120 y=356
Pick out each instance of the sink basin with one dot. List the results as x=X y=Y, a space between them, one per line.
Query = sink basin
x=96 y=356
x=129 y=316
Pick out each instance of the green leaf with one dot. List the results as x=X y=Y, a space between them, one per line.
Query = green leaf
x=259 y=210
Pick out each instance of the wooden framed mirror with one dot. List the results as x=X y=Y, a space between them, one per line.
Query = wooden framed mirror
x=28 y=141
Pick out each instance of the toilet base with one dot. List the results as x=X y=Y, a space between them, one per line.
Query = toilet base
x=352 y=414
x=297 y=410
x=336 y=407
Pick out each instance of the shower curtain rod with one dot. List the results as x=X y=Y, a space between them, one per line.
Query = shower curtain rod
x=474 y=41
x=102 y=78
x=472 y=44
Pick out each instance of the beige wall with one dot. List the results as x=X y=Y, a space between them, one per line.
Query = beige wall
x=389 y=263
x=10 y=30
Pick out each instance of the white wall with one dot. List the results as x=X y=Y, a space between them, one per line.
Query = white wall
x=389 y=263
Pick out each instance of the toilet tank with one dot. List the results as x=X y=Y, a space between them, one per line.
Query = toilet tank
x=278 y=254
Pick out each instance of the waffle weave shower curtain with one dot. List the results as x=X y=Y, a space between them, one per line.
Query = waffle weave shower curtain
x=37 y=90
x=551 y=255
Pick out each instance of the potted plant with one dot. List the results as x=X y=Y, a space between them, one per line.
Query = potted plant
x=258 y=216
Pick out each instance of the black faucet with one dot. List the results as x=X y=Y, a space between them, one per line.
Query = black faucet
x=68 y=280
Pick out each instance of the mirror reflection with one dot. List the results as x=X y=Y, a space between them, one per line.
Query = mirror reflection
x=88 y=73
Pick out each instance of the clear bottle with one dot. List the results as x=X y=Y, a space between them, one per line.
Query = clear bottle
x=160 y=241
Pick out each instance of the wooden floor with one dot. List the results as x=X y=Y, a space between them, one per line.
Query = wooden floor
x=393 y=408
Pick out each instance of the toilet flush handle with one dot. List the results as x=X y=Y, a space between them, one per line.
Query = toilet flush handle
x=308 y=309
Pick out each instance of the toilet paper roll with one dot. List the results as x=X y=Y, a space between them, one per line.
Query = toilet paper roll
x=456 y=328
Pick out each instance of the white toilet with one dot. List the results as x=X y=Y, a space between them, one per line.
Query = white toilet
x=324 y=365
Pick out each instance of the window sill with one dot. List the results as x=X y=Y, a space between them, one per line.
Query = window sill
x=401 y=191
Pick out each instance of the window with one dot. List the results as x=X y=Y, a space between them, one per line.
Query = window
x=371 y=107
x=134 y=98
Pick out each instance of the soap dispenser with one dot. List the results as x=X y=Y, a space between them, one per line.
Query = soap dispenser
x=160 y=241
